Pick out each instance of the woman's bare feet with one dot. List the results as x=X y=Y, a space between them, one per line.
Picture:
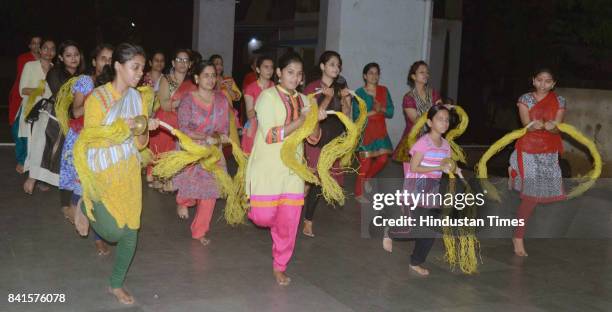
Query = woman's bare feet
x=28 y=185
x=281 y=278
x=182 y=212
x=308 y=228
x=362 y=199
x=19 y=169
x=69 y=212
x=205 y=241
x=419 y=270
x=510 y=180
x=42 y=187
x=387 y=244
x=519 y=247
x=102 y=248
x=122 y=295
x=168 y=187
x=155 y=184
x=80 y=220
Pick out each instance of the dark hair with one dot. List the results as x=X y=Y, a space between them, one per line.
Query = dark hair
x=196 y=57
x=327 y=55
x=60 y=51
x=154 y=53
x=545 y=70
x=96 y=52
x=213 y=57
x=199 y=68
x=43 y=40
x=432 y=112
x=122 y=53
x=34 y=35
x=187 y=51
x=288 y=58
x=263 y=58
x=413 y=69
x=368 y=67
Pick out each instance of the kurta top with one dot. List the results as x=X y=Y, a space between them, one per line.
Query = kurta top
x=266 y=174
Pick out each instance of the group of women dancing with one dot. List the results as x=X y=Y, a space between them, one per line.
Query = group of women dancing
x=99 y=177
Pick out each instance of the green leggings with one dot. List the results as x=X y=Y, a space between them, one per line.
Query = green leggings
x=126 y=238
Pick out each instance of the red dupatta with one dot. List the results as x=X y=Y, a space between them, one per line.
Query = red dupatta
x=376 y=127
x=540 y=141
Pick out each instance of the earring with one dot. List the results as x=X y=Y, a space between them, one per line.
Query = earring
x=197 y=81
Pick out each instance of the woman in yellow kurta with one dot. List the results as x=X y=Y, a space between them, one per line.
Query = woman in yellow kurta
x=276 y=192
x=113 y=199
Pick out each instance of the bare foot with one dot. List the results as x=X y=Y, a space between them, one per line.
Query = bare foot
x=510 y=180
x=367 y=186
x=168 y=187
x=387 y=244
x=308 y=228
x=80 y=220
x=362 y=199
x=28 y=185
x=205 y=241
x=155 y=184
x=19 y=169
x=102 y=248
x=69 y=212
x=519 y=247
x=122 y=295
x=420 y=270
x=42 y=187
x=281 y=278
x=182 y=212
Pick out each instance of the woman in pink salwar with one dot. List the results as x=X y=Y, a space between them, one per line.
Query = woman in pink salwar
x=204 y=116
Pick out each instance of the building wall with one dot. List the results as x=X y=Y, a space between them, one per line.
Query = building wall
x=213 y=29
x=393 y=33
x=591 y=112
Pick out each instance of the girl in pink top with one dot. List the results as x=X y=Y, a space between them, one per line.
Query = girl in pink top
x=423 y=173
x=265 y=70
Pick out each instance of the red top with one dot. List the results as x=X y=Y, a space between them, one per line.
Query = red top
x=14 y=96
x=248 y=79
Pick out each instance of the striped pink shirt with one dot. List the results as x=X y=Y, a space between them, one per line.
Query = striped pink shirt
x=433 y=157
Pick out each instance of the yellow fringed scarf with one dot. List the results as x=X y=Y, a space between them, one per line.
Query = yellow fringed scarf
x=460 y=249
x=149 y=99
x=591 y=177
x=458 y=154
x=360 y=123
x=291 y=143
x=339 y=147
x=63 y=101
x=39 y=91
x=235 y=211
x=95 y=137
x=170 y=163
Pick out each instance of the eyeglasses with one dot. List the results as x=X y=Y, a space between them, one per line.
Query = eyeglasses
x=181 y=60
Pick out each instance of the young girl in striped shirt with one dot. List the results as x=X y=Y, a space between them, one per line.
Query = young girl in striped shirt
x=423 y=173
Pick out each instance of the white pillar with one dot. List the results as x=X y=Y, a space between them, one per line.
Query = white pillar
x=392 y=33
x=213 y=29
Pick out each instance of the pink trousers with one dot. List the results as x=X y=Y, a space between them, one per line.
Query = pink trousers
x=204 y=212
x=283 y=221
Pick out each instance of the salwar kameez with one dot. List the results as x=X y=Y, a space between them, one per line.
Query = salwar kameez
x=195 y=185
x=116 y=171
x=276 y=193
x=375 y=146
x=534 y=165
